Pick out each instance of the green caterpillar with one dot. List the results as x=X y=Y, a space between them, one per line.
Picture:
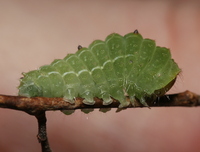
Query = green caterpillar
x=118 y=67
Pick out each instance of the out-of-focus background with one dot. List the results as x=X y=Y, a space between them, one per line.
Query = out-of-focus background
x=34 y=33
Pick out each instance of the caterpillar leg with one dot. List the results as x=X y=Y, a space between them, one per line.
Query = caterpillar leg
x=68 y=112
x=69 y=95
x=106 y=98
x=119 y=95
x=133 y=100
x=143 y=102
x=86 y=111
x=89 y=98
x=124 y=103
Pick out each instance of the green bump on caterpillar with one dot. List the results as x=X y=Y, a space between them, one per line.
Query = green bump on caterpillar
x=118 y=67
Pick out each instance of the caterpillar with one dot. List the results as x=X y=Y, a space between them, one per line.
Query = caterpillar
x=120 y=66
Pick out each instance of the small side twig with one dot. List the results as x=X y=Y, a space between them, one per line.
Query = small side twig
x=42 y=134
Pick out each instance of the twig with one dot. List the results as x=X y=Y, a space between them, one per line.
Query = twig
x=42 y=134
x=38 y=105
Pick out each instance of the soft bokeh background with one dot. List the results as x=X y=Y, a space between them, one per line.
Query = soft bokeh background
x=34 y=33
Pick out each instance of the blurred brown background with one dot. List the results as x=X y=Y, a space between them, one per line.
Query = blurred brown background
x=34 y=33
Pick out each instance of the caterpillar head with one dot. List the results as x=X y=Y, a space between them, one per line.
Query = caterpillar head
x=28 y=87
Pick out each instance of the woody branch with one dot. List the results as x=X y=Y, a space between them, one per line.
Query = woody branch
x=35 y=105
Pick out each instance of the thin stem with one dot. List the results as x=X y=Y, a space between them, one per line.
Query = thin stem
x=42 y=134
